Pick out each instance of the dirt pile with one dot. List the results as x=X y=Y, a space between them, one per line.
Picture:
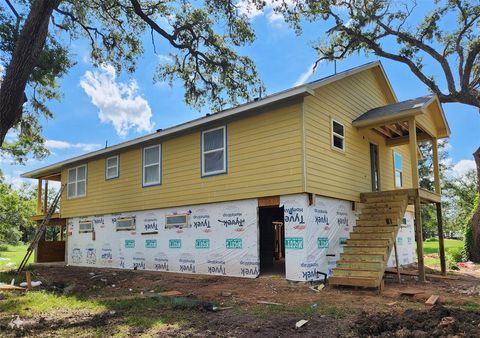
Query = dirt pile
x=439 y=321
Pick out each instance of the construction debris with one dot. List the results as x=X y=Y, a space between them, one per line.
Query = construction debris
x=300 y=323
x=33 y=284
x=432 y=300
x=16 y=324
x=170 y=293
x=8 y=287
x=268 y=303
x=317 y=288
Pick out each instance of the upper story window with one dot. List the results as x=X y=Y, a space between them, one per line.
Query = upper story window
x=338 y=135
x=112 y=167
x=398 y=165
x=214 y=149
x=152 y=157
x=77 y=181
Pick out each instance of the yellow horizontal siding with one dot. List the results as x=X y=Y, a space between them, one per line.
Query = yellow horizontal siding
x=264 y=158
x=347 y=174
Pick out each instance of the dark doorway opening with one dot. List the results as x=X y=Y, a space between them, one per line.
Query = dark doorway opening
x=272 y=240
x=374 y=164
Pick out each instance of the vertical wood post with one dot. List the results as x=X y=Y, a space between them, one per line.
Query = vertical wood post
x=396 y=261
x=436 y=167
x=441 y=245
x=39 y=197
x=412 y=131
x=28 y=279
x=45 y=198
x=419 y=237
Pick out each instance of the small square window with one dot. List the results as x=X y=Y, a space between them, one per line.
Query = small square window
x=338 y=135
x=176 y=221
x=85 y=226
x=112 y=167
x=125 y=224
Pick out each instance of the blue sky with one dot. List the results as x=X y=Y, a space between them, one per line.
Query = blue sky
x=99 y=105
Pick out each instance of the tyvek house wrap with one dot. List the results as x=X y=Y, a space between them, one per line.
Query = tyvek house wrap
x=221 y=239
x=314 y=235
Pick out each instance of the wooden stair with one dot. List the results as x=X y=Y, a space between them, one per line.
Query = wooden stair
x=365 y=256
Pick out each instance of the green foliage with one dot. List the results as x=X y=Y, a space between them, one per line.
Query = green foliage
x=468 y=232
x=16 y=210
x=200 y=38
x=453 y=256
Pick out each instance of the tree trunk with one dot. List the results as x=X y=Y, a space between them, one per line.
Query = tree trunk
x=475 y=221
x=28 y=47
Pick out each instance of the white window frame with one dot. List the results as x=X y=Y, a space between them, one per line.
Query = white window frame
x=180 y=225
x=395 y=170
x=334 y=134
x=76 y=182
x=80 y=231
x=132 y=226
x=117 y=174
x=215 y=172
x=159 y=163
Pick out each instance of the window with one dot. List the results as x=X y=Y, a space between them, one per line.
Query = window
x=214 y=147
x=85 y=226
x=111 y=167
x=338 y=136
x=398 y=164
x=151 y=165
x=176 y=221
x=77 y=181
x=125 y=223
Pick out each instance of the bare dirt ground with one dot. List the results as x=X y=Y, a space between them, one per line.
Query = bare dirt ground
x=134 y=303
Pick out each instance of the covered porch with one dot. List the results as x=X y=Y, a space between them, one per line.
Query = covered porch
x=51 y=246
x=409 y=123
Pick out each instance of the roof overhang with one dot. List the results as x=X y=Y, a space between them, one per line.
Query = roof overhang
x=283 y=96
x=431 y=106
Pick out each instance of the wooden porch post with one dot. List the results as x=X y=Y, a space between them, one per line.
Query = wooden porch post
x=45 y=198
x=39 y=197
x=412 y=131
x=436 y=167
x=436 y=176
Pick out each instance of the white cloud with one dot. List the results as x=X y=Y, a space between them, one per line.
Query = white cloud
x=305 y=75
x=55 y=144
x=118 y=103
x=249 y=9
x=462 y=167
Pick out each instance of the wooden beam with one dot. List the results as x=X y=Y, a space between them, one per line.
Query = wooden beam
x=394 y=129
x=436 y=166
x=401 y=140
x=270 y=201
x=441 y=244
x=382 y=132
x=412 y=130
x=45 y=199
x=396 y=261
x=402 y=127
x=39 y=197
x=419 y=238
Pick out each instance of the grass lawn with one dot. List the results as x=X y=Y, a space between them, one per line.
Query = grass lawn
x=431 y=248
x=13 y=255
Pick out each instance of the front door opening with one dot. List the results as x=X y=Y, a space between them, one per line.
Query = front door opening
x=374 y=167
x=272 y=240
